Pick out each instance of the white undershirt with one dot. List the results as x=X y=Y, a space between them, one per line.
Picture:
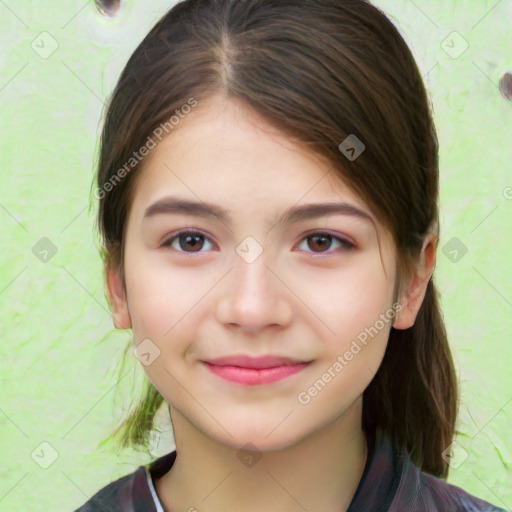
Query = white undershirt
x=158 y=504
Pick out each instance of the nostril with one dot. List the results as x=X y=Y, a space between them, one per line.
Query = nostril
x=108 y=7
x=506 y=85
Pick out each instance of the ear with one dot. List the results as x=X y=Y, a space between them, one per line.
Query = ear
x=117 y=299
x=412 y=297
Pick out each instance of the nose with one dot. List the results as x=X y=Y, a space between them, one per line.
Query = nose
x=255 y=297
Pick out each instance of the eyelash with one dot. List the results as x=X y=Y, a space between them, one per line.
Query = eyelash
x=347 y=246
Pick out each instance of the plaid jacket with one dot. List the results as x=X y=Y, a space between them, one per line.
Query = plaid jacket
x=390 y=482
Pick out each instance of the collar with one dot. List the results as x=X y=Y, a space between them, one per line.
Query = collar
x=377 y=487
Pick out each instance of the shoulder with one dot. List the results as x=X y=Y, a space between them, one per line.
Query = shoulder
x=118 y=496
x=132 y=492
x=422 y=491
x=443 y=492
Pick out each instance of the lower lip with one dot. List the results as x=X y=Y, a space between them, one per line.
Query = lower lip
x=255 y=376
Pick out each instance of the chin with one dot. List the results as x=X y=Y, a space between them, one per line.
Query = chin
x=251 y=438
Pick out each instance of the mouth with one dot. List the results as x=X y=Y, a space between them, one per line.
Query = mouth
x=255 y=371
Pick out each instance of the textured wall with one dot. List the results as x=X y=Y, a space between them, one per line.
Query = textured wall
x=60 y=353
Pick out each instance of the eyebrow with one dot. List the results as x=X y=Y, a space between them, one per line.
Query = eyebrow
x=176 y=205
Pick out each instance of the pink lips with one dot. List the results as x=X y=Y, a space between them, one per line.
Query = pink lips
x=253 y=371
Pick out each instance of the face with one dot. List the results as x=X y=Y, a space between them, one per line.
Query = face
x=257 y=282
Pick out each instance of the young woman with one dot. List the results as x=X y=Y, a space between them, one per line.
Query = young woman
x=268 y=205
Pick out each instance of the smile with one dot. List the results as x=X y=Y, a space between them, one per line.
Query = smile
x=255 y=376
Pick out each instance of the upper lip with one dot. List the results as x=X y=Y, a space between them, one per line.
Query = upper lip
x=253 y=362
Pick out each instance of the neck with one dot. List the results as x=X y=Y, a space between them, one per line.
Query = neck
x=321 y=472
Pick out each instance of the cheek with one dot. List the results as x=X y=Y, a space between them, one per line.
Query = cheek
x=356 y=307
x=160 y=295
x=347 y=300
x=152 y=298
x=352 y=356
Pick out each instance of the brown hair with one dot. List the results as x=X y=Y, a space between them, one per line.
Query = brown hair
x=319 y=70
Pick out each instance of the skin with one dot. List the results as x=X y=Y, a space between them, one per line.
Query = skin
x=298 y=299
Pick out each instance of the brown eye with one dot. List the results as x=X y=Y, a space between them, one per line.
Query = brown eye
x=321 y=242
x=187 y=241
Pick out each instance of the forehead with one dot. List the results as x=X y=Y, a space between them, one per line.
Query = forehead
x=225 y=152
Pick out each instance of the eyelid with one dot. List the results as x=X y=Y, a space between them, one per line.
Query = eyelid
x=338 y=236
x=346 y=242
x=166 y=242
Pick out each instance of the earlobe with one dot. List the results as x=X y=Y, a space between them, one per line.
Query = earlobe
x=412 y=298
x=117 y=299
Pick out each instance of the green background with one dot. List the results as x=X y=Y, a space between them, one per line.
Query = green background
x=60 y=354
